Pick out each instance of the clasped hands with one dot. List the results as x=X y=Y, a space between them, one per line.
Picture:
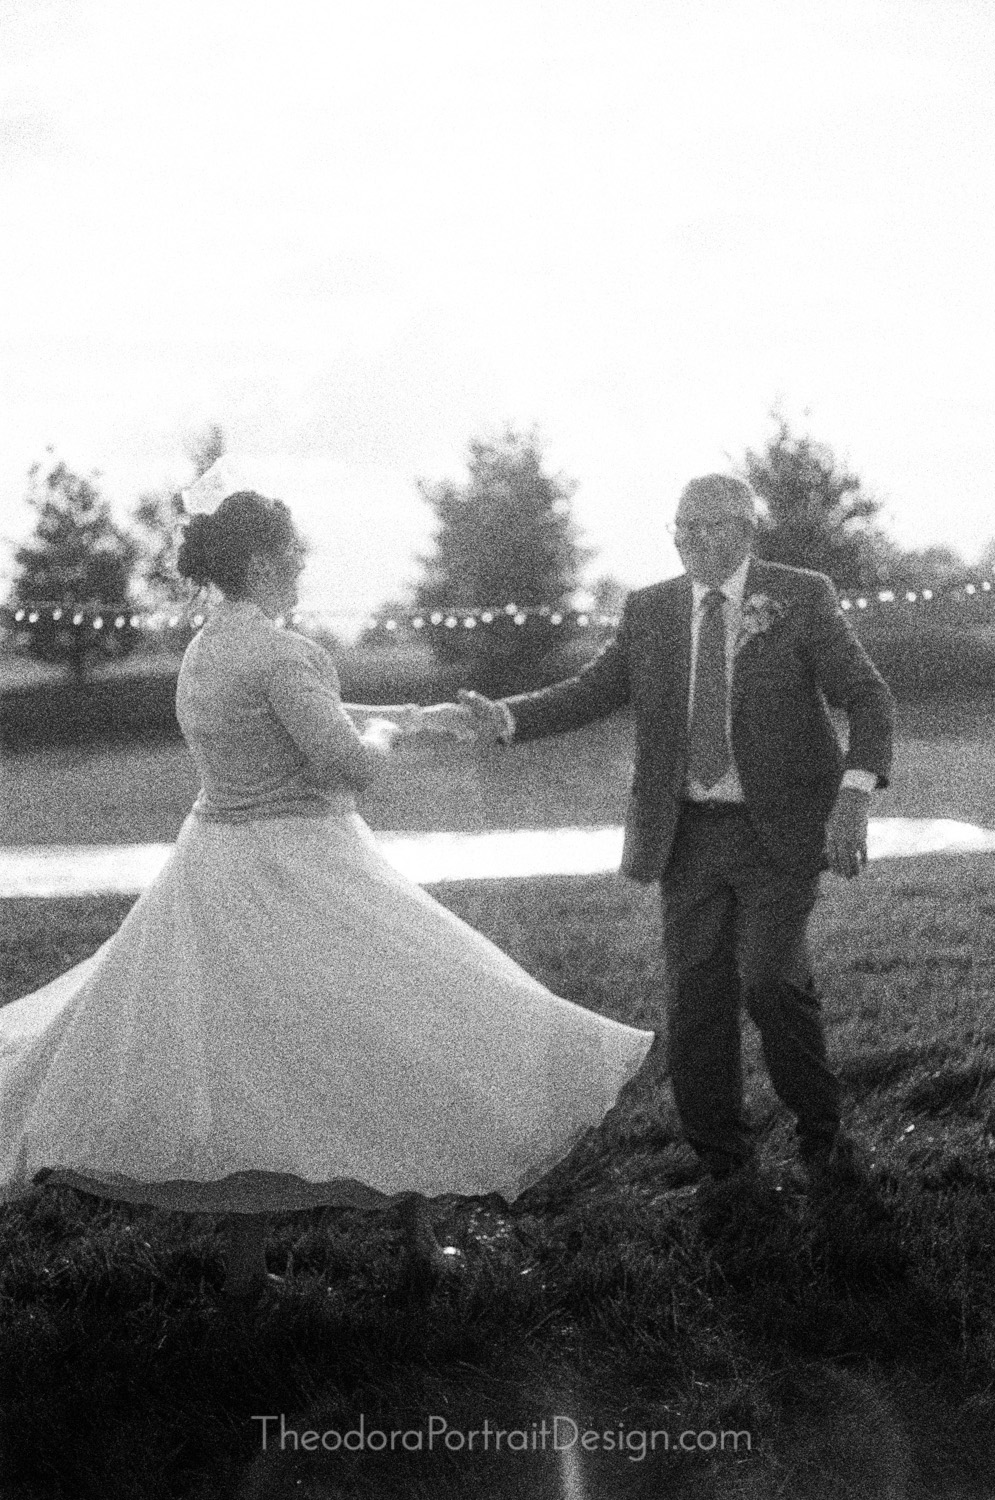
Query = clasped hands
x=473 y=720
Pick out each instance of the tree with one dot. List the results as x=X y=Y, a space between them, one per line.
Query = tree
x=378 y=637
x=936 y=567
x=818 y=513
x=608 y=595
x=155 y=520
x=505 y=536
x=78 y=563
x=986 y=559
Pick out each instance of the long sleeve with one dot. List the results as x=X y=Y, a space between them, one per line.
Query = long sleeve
x=852 y=683
x=600 y=688
x=303 y=693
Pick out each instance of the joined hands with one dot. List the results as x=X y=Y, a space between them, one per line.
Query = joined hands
x=492 y=722
x=448 y=720
x=473 y=720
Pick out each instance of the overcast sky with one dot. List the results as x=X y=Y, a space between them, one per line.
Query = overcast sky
x=358 y=234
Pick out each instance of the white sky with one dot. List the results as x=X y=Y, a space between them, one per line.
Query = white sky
x=357 y=233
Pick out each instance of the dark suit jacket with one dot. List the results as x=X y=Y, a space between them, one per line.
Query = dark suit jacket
x=786 y=750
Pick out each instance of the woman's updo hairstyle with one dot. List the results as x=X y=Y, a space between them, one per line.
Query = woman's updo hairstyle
x=217 y=548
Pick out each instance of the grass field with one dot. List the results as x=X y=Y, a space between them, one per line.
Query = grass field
x=853 y=1341
x=944 y=767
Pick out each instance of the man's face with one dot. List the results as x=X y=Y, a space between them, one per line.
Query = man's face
x=712 y=536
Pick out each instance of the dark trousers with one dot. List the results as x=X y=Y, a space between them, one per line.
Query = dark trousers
x=734 y=929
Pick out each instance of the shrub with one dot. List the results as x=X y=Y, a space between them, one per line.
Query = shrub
x=395 y=674
x=932 y=658
x=69 y=712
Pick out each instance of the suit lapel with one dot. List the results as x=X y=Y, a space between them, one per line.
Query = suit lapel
x=745 y=651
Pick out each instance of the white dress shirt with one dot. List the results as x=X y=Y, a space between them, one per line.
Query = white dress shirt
x=728 y=789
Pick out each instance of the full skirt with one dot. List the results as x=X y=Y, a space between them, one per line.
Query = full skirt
x=282 y=1021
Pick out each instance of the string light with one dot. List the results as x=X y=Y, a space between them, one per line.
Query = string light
x=394 y=625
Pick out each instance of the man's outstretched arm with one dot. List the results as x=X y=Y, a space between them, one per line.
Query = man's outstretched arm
x=600 y=688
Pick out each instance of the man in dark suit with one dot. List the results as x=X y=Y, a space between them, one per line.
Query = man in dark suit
x=741 y=796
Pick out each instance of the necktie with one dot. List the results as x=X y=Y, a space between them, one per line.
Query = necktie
x=708 y=743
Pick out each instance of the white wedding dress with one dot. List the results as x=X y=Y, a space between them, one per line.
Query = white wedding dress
x=283 y=1020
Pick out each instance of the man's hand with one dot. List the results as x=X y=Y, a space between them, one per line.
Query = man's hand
x=491 y=720
x=846 y=833
x=451 y=719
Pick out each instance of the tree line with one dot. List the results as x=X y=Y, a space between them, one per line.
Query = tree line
x=503 y=534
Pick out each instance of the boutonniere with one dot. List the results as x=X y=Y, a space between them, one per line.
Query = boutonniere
x=760 y=612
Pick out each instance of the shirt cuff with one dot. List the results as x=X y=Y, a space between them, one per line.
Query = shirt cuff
x=859 y=781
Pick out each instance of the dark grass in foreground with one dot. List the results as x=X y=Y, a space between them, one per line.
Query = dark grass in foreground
x=854 y=1341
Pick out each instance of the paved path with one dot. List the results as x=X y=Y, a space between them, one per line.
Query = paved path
x=431 y=858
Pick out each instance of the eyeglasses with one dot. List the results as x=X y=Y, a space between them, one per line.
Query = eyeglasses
x=691 y=531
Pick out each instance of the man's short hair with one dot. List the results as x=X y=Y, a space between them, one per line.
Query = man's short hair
x=736 y=493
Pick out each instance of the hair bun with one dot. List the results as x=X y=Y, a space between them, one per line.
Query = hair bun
x=216 y=547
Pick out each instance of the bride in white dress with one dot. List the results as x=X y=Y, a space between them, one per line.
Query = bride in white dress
x=283 y=1020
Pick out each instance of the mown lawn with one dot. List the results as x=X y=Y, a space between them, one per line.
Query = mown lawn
x=854 y=1341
